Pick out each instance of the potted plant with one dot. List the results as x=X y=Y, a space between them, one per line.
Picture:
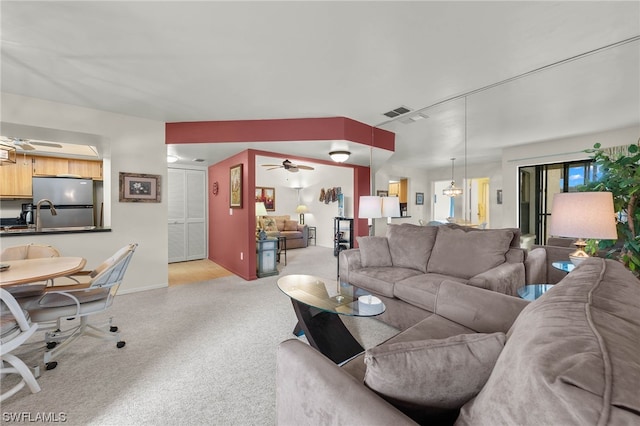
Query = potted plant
x=620 y=175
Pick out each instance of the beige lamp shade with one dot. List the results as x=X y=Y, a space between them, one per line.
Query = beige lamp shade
x=301 y=209
x=390 y=207
x=583 y=215
x=370 y=207
x=261 y=210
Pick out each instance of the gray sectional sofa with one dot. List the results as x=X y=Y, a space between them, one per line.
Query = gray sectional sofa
x=406 y=268
x=483 y=358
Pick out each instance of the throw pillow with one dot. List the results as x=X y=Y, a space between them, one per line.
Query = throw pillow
x=442 y=373
x=463 y=253
x=290 y=225
x=374 y=251
x=269 y=225
x=410 y=245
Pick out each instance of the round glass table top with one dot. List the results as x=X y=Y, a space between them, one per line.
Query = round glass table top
x=331 y=296
x=564 y=265
x=533 y=291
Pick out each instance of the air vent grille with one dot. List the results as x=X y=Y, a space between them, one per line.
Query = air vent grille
x=198 y=160
x=396 y=112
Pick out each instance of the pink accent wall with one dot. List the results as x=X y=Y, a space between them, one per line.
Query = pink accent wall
x=290 y=129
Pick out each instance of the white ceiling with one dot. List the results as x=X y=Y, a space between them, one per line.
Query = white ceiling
x=206 y=60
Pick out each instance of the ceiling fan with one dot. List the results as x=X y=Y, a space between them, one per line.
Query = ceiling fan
x=28 y=145
x=288 y=166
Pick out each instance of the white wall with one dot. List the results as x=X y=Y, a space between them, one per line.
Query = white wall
x=552 y=151
x=320 y=214
x=134 y=145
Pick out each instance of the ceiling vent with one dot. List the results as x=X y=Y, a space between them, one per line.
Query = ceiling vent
x=198 y=160
x=396 y=112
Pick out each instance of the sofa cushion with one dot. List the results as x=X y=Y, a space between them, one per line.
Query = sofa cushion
x=380 y=280
x=269 y=224
x=443 y=373
x=410 y=245
x=580 y=360
x=374 y=251
x=290 y=225
x=421 y=290
x=464 y=253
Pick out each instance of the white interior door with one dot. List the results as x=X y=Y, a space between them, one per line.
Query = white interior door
x=187 y=214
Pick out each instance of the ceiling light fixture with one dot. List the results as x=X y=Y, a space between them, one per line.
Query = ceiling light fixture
x=171 y=158
x=339 y=156
x=452 y=190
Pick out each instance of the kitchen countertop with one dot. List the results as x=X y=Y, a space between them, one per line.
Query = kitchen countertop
x=48 y=231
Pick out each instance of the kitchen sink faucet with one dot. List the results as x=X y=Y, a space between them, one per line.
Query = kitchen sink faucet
x=38 y=220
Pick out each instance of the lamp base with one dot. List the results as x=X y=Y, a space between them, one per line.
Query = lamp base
x=579 y=255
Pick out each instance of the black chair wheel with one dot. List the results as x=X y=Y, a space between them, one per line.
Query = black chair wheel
x=51 y=365
x=120 y=344
x=51 y=345
x=113 y=329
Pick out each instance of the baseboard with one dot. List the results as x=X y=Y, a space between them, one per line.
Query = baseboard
x=137 y=289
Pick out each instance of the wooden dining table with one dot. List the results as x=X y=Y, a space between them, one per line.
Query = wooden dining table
x=32 y=270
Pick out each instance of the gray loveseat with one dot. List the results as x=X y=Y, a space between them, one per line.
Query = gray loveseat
x=406 y=268
x=568 y=358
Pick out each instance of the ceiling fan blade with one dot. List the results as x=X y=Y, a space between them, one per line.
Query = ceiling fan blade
x=273 y=168
x=25 y=147
x=271 y=165
x=49 y=144
x=304 y=167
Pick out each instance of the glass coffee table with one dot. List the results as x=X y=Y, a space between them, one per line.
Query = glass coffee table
x=318 y=304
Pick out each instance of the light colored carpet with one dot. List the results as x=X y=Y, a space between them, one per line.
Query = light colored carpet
x=201 y=353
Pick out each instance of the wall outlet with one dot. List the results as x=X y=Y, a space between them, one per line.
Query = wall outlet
x=241 y=256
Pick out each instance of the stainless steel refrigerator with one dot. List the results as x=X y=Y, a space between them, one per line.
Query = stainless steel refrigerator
x=72 y=198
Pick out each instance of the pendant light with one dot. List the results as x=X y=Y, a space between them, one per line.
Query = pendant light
x=452 y=190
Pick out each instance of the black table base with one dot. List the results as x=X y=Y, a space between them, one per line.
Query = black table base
x=326 y=332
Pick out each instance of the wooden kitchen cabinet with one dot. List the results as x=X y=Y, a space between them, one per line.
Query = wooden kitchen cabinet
x=53 y=166
x=402 y=193
x=15 y=179
x=86 y=168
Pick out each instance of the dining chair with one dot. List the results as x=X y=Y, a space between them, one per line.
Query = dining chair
x=80 y=301
x=15 y=330
x=28 y=251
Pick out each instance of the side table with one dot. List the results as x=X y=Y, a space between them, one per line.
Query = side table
x=533 y=291
x=267 y=251
x=282 y=249
x=312 y=234
x=564 y=265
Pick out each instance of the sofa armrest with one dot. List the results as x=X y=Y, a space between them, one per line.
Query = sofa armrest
x=535 y=266
x=305 y=233
x=505 y=278
x=312 y=390
x=481 y=310
x=349 y=260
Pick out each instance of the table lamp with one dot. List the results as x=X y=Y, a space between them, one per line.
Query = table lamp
x=370 y=208
x=301 y=210
x=390 y=207
x=261 y=210
x=583 y=215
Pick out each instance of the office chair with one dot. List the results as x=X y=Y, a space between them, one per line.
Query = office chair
x=15 y=329
x=28 y=251
x=80 y=301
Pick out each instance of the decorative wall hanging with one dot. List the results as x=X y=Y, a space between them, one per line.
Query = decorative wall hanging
x=382 y=193
x=235 y=184
x=215 y=188
x=419 y=198
x=267 y=196
x=139 y=188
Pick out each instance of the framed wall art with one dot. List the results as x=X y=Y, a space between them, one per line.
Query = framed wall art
x=267 y=196
x=235 y=187
x=382 y=193
x=139 y=188
x=419 y=198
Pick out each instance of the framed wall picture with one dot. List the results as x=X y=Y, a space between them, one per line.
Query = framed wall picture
x=139 y=188
x=419 y=198
x=235 y=183
x=267 y=196
x=382 y=193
